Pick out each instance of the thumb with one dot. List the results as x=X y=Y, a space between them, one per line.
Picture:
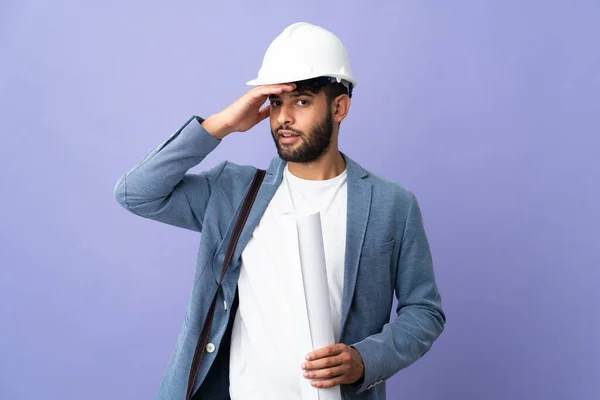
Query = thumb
x=264 y=113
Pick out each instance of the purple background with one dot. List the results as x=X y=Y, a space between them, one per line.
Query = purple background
x=487 y=110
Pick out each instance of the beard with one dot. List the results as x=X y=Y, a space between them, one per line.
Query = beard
x=311 y=147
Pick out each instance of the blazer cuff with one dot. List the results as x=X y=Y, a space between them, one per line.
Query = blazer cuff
x=371 y=361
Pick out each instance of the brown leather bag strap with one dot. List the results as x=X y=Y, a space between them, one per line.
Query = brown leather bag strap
x=233 y=240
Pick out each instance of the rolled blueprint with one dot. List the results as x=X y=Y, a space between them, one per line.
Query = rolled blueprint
x=316 y=294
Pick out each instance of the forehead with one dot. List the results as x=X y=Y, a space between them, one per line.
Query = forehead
x=293 y=95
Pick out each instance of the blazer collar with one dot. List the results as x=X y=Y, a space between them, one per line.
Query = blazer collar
x=274 y=173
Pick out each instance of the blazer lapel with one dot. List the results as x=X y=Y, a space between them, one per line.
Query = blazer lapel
x=358 y=206
x=270 y=184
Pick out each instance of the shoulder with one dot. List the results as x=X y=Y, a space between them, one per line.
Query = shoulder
x=388 y=191
x=232 y=175
x=229 y=182
x=394 y=204
x=382 y=188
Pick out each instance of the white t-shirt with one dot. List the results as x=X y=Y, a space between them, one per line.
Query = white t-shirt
x=265 y=359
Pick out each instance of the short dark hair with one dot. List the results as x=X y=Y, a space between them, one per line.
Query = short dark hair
x=331 y=87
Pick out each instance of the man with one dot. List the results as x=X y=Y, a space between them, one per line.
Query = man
x=375 y=243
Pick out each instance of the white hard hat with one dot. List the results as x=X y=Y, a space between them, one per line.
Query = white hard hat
x=304 y=51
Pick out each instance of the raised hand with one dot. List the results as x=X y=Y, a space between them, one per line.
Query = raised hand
x=245 y=112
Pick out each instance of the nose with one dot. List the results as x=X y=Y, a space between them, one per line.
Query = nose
x=285 y=116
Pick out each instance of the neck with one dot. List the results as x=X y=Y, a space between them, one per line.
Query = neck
x=328 y=166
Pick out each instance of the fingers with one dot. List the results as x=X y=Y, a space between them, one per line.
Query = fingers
x=330 y=366
x=327 y=383
x=267 y=90
x=246 y=111
x=327 y=373
x=327 y=362
x=326 y=351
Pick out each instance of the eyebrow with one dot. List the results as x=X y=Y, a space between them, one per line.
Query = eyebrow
x=293 y=94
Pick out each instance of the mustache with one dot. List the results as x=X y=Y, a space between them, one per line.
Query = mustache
x=288 y=128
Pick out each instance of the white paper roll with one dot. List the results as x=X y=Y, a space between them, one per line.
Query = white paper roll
x=316 y=294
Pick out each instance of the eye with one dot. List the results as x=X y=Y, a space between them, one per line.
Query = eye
x=275 y=103
x=303 y=102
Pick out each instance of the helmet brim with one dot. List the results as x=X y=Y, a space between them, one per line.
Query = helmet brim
x=260 y=82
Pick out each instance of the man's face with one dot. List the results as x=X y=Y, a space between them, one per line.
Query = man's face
x=301 y=125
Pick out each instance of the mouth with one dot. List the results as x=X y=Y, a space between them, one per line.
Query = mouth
x=288 y=137
x=285 y=133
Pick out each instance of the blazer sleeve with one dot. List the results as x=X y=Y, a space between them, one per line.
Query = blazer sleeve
x=160 y=188
x=420 y=318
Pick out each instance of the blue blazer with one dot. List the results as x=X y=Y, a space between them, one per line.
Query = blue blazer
x=387 y=254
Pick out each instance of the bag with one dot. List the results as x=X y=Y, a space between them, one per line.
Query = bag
x=233 y=240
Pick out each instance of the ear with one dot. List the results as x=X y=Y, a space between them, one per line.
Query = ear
x=340 y=107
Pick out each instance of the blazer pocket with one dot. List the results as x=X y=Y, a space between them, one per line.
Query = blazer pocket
x=377 y=249
x=374 y=282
